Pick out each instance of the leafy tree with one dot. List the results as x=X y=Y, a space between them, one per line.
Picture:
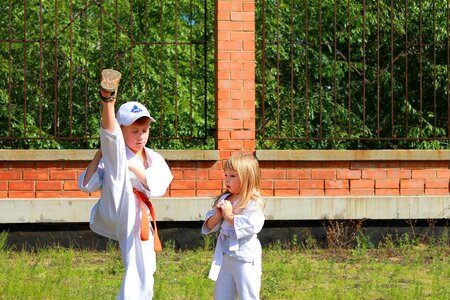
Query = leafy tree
x=353 y=74
x=50 y=70
x=344 y=74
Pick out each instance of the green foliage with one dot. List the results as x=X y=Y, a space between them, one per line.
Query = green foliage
x=393 y=272
x=209 y=242
x=49 y=85
x=330 y=74
x=3 y=241
x=363 y=242
x=340 y=75
x=310 y=243
x=169 y=245
x=294 y=243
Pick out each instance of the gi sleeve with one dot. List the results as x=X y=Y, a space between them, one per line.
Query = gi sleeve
x=96 y=181
x=158 y=176
x=205 y=229
x=250 y=222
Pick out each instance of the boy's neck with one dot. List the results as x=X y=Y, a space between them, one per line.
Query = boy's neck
x=142 y=156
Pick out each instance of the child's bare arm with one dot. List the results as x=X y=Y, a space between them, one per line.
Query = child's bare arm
x=216 y=218
x=138 y=172
x=92 y=167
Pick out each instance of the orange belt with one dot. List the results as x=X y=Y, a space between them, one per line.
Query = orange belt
x=145 y=228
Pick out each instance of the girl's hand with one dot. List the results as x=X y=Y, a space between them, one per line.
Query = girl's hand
x=227 y=208
x=218 y=209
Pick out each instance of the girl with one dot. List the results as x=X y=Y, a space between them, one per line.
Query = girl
x=238 y=216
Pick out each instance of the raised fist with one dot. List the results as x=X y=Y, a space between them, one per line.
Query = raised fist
x=109 y=84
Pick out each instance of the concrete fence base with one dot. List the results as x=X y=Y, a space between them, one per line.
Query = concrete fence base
x=171 y=209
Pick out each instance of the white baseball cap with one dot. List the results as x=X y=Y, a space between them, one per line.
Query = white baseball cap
x=129 y=112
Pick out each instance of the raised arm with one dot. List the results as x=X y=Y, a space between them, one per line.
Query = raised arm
x=108 y=116
x=108 y=93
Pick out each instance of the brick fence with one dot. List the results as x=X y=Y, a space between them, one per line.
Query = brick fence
x=286 y=175
x=34 y=173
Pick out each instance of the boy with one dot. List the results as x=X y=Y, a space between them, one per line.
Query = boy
x=127 y=172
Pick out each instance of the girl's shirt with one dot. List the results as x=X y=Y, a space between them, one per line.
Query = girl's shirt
x=238 y=240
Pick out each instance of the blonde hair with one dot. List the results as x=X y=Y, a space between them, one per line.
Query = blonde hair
x=246 y=166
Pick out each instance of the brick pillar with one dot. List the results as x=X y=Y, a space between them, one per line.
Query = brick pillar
x=235 y=80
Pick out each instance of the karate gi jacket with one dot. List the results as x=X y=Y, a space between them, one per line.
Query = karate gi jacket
x=238 y=240
x=117 y=214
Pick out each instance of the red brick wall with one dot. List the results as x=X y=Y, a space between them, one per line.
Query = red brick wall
x=235 y=105
x=348 y=178
x=41 y=179
x=279 y=178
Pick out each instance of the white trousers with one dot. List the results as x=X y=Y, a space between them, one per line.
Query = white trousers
x=238 y=279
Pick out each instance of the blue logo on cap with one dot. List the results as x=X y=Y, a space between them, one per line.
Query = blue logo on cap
x=136 y=109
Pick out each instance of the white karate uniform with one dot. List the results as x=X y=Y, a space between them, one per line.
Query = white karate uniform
x=117 y=214
x=236 y=266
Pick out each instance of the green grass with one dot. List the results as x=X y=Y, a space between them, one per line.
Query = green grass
x=407 y=272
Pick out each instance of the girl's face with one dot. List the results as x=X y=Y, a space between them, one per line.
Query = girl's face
x=136 y=136
x=232 y=181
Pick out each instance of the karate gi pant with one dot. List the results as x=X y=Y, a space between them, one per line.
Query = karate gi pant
x=238 y=279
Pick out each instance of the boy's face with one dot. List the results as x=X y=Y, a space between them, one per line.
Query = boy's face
x=136 y=135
